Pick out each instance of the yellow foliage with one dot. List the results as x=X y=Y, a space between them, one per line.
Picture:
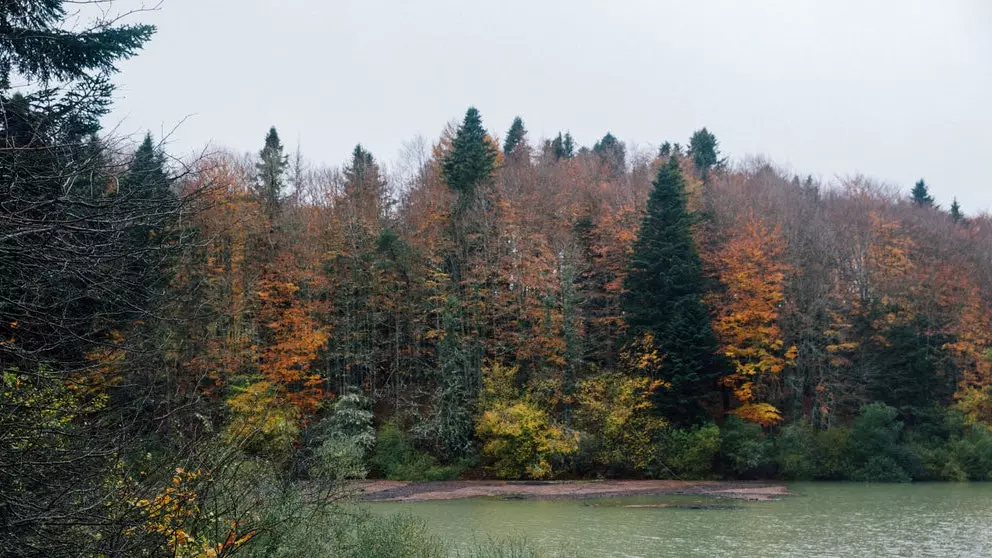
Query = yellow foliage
x=172 y=512
x=617 y=409
x=746 y=315
x=261 y=422
x=522 y=440
x=758 y=413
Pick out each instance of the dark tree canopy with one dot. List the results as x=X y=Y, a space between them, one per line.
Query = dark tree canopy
x=515 y=137
x=33 y=44
x=921 y=194
x=664 y=298
x=271 y=167
x=704 y=151
x=613 y=154
x=562 y=147
x=472 y=157
x=956 y=211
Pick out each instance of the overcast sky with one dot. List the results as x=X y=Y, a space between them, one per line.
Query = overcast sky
x=896 y=90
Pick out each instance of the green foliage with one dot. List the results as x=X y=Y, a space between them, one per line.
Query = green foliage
x=396 y=458
x=703 y=151
x=688 y=453
x=830 y=455
x=612 y=153
x=664 y=297
x=472 y=157
x=795 y=448
x=956 y=213
x=343 y=439
x=36 y=44
x=921 y=194
x=270 y=167
x=745 y=451
x=874 y=446
x=562 y=147
x=515 y=137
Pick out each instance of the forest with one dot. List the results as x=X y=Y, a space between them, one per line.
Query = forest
x=200 y=355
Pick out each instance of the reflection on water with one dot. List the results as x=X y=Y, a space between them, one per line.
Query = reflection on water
x=821 y=520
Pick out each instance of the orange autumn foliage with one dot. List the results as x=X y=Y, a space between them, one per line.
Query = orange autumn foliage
x=750 y=267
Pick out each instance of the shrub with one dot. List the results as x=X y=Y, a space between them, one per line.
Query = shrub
x=342 y=440
x=522 y=441
x=744 y=449
x=874 y=446
x=616 y=410
x=687 y=454
x=794 y=452
x=973 y=453
x=830 y=454
x=395 y=458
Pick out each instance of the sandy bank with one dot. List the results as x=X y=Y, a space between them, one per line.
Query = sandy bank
x=397 y=491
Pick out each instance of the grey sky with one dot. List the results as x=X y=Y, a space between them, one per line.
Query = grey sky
x=893 y=89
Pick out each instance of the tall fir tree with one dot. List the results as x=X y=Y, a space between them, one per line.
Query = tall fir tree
x=613 y=154
x=146 y=176
x=515 y=137
x=472 y=158
x=271 y=167
x=921 y=194
x=703 y=149
x=664 y=299
x=665 y=151
x=563 y=146
x=956 y=211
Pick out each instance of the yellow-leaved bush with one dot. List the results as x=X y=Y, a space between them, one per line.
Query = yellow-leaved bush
x=261 y=423
x=616 y=409
x=519 y=437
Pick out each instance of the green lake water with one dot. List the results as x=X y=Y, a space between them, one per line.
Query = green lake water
x=821 y=520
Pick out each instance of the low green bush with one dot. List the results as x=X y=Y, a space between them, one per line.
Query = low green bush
x=795 y=452
x=687 y=454
x=745 y=451
x=396 y=458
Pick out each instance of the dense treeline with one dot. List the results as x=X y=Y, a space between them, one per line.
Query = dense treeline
x=544 y=311
x=182 y=344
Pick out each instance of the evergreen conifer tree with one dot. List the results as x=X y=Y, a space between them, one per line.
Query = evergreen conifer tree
x=613 y=154
x=271 y=166
x=472 y=158
x=956 y=211
x=664 y=298
x=665 y=151
x=563 y=147
x=516 y=136
x=704 y=152
x=921 y=194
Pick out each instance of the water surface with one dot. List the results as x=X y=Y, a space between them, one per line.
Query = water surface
x=820 y=520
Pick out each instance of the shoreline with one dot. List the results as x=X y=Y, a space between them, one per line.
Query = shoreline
x=405 y=491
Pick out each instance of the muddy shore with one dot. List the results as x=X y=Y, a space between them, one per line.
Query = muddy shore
x=398 y=491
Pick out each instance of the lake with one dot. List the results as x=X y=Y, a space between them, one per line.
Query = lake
x=820 y=520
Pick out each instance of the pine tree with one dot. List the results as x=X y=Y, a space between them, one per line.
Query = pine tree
x=271 y=166
x=665 y=151
x=664 y=298
x=36 y=45
x=515 y=137
x=472 y=158
x=563 y=147
x=704 y=152
x=146 y=177
x=921 y=194
x=613 y=154
x=956 y=211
